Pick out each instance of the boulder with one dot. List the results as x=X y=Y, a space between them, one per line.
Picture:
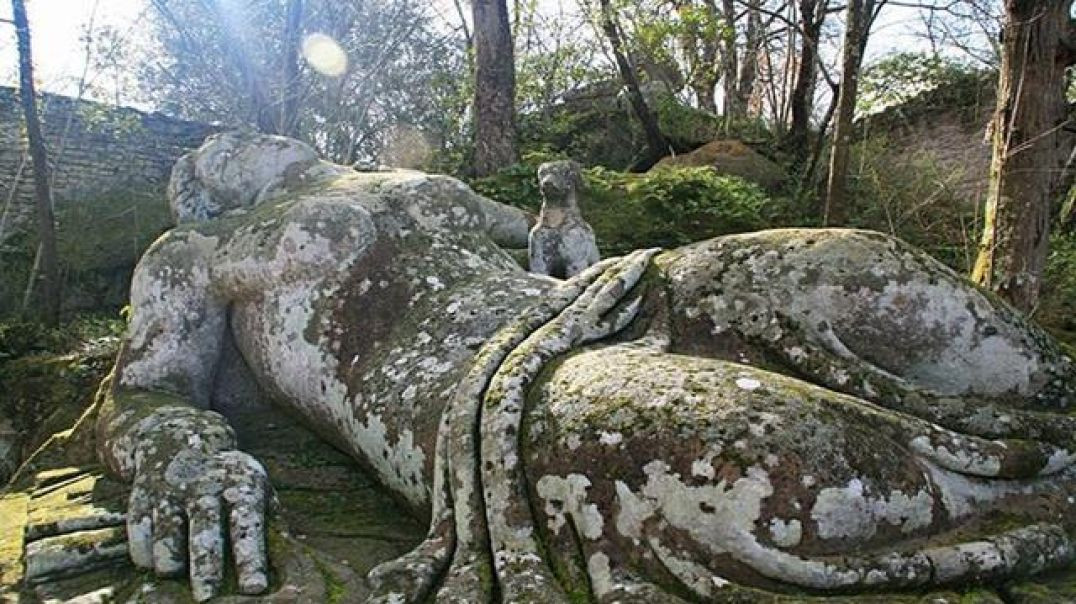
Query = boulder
x=733 y=158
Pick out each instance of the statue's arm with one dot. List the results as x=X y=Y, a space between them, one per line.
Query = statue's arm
x=173 y=342
x=507 y=226
x=156 y=430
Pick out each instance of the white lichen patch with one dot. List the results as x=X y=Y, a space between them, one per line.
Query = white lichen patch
x=703 y=467
x=748 y=383
x=610 y=439
x=567 y=496
x=720 y=518
x=786 y=533
x=692 y=575
x=1058 y=461
x=601 y=579
x=853 y=512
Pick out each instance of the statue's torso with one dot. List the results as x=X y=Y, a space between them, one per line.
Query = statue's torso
x=365 y=331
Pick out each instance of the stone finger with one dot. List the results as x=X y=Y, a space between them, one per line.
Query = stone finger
x=169 y=538
x=140 y=527
x=206 y=547
x=595 y=284
x=628 y=274
x=246 y=494
x=247 y=522
x=608 y=291
x=615 y=323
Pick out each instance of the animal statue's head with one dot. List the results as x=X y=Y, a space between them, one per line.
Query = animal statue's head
x=560 y=181
x=236 y=170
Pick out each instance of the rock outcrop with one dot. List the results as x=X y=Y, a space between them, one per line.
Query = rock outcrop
x=732 y=158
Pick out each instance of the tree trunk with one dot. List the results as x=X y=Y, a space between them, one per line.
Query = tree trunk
x=495 y=88
x=703 y=49
x=745 y=81
x=857 y=17
x=656 y=145
x=802 y=99
x=49 y=273
x=730 y=65
x=704 y=94
x=288 y=120
x=1029 y=149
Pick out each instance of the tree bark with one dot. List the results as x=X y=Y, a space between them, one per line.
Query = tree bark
x=745 y=79
x=288 y=120
x=495 y=88
x=730 y=65
x=49 y=272
x=703 y=48
x=856 y=20
x=656 y=145
x=704 y=94
x=1029 y=147
x=812 y=14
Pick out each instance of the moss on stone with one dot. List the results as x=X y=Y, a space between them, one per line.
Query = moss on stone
x=334 y=587
x=111 y=230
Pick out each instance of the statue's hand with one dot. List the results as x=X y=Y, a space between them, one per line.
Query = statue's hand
x=180 y=508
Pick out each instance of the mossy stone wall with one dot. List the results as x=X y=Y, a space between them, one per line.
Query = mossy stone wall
x=110 y=166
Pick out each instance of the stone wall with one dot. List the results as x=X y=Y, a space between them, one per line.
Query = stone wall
x=110 y=167
x=946 y=127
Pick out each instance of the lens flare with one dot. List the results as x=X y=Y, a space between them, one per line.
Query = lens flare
x=324 y=55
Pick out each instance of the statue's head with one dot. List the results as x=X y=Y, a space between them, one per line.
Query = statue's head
x=559 y=181
x=235 y=170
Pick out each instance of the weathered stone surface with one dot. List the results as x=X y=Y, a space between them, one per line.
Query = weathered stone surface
x=562 y=244
x=763 y=417
x=733 y=158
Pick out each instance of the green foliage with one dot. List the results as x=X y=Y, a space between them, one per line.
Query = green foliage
x=668 y=208
x=99 y=240
x=593 y=132
x=663 y=208
x=111 y=230
x=402 y=71
x=21 y=338
x=900 y=77
x=49 y=376
x=16 y=259
x=1057 y=307
x=516 y=185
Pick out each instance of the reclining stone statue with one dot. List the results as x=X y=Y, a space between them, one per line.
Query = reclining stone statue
x=561 y=244
x=788 y=411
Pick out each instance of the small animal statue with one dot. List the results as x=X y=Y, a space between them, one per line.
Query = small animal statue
x=562 y=243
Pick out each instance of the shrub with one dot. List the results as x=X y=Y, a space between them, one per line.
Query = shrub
x=20 y=338
x=663 y=208
x=1057 y=307
x=48 y=376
